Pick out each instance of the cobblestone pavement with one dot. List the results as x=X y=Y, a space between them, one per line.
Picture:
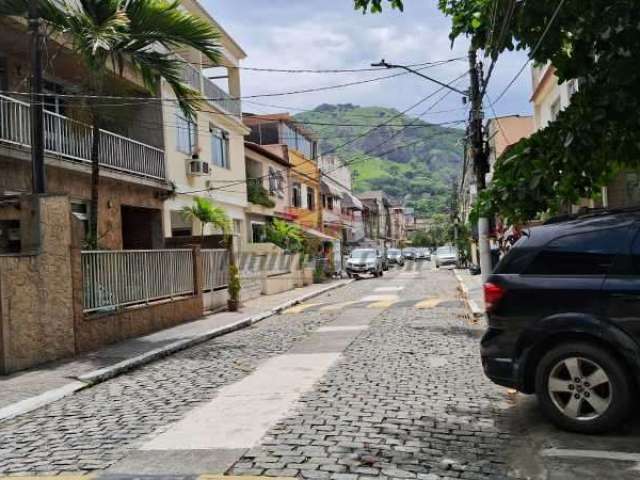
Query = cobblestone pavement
x=96 y=427
x=407 y=400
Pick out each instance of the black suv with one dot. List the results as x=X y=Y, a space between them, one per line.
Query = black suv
x=564 y=319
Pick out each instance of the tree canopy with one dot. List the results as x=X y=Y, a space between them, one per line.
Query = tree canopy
x=596 y=42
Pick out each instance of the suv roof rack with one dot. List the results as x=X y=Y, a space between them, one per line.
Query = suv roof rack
x=590 y=213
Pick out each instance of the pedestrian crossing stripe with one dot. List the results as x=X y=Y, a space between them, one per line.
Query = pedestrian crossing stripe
x=302 y=307
x=382 y=304
x=338 y=306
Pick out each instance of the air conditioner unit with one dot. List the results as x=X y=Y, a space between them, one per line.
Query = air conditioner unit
x=197 y=167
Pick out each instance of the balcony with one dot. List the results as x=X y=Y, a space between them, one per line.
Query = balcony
x=72 y=141
x=214 y=94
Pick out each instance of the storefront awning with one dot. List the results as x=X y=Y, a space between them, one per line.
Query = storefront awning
x=327 y=187
x=350 y=201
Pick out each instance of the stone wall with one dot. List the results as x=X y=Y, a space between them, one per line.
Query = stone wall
x=36 y=298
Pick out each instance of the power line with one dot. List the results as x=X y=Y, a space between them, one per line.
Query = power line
x=435 y=63
x=533 y=52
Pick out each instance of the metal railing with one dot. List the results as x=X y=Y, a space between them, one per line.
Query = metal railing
x=213 y=93
x=215 y=268
x=116 y=279
x=72 y=140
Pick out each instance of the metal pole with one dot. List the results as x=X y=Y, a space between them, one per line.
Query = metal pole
x=37 y=110
x=479 y=157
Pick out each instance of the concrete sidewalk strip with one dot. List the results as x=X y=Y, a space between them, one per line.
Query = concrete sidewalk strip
x=94 y=377
x=472 y=304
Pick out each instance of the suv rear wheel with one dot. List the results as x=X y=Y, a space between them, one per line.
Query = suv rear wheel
x=583 y=388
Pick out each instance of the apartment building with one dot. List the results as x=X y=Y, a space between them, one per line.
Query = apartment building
x=549 y=98
x=268 y=174
x=377 y=215
x=205 y=156
x=134 y=177
x=304 y=176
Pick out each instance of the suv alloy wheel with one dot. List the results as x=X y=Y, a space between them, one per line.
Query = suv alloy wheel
x=583 y=388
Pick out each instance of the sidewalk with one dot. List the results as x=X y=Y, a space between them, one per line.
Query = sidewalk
x=25 y=391
x=472 y=290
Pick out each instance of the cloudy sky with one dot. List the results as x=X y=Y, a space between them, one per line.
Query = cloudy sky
x=329 y=34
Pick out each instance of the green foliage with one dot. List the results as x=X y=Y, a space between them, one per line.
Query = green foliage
x=375 y=6
x=234 y=287
x=257 y=194
x=420 y=174
x=285 y=235
x=207 y=212
x=441 y=232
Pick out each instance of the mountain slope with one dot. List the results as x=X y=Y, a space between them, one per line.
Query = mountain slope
x=417 y=163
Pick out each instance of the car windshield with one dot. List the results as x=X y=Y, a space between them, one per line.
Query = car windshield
x=394 y=252
x=446 y=251
x=363 y=254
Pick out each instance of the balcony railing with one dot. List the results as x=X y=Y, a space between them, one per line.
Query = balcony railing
x=72 y=140
x=214 y=94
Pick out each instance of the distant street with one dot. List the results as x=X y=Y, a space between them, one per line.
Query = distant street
x=381 y=378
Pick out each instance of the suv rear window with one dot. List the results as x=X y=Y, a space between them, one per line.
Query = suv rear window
x=589 y=253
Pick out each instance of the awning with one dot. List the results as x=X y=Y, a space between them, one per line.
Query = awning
x=351 y=201
x=326 y=187
x=318 y=234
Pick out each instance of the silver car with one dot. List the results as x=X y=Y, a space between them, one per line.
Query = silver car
x=365 y=260
x=395 y=256
x=446 y=255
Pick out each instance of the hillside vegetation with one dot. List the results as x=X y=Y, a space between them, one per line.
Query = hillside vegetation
x=417 y=163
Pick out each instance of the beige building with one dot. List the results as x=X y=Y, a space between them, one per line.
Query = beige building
x=206 y=157
x=549 y=98
x=267 y=169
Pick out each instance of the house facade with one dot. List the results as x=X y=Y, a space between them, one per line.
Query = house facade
x=267 y=170
x=304 y=175
x=133 y=176
x=377 y=216
x=549 y=98
x=205 y=155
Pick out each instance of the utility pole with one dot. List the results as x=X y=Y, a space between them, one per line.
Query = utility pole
x=37 y=110
x=479 y=156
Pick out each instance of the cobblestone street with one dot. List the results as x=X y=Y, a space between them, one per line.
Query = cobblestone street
x=394 y=389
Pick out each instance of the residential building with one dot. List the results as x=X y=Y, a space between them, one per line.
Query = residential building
x=267 y=169
x=377 y=216
x=304 y=176
x=133 y=175
x=339 y=205
x=549 y=98
x=398 y=225
x=205 y=155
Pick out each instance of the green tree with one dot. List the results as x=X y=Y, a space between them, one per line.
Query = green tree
x=285 y=235
x=595 y=42
x=207 y=213
x=114 y=36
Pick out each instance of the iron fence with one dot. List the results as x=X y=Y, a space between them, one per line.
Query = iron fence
x=215 y=268
x=116 y=279
x=72 y=140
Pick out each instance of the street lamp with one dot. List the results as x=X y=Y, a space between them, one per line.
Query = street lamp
x=383 y=63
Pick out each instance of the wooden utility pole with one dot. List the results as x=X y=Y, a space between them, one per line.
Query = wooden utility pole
x=479 y=156
x=39 y=184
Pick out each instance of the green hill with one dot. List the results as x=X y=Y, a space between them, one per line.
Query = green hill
x=417 y=163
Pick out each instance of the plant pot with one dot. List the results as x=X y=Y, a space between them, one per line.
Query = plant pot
x=233 y=305
x=307 y=276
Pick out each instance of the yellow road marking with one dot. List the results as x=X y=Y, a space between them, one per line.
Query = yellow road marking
x=338 y=306
x=428 y=303
x=301 y=308
x=382 y=304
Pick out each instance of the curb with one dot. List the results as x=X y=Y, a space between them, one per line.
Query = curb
x=475 y=309
x=95 y=377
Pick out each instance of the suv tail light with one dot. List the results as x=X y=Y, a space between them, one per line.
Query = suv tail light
x=492 y=295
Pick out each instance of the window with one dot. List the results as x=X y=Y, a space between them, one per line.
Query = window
x=258 y=232
x=330 y=202
x=296 y=140
x=187 y=135
x=219 y=147
x=180 y=226
x=237 y=226
x=296 y=199
x=280 y=183
x=311 y=198
x=590 y=253
x=273 y=184
x=635 y=253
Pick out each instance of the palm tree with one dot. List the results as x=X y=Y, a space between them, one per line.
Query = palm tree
x=285 y=235
x=110 y=36
x=207 y=213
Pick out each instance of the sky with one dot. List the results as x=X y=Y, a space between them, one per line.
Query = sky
x=330 y=34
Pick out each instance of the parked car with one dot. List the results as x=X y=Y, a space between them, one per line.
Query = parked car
x=409 y=253
x=365 y=260
x=564 y=320
x=423 y=254
x=446 y=255
x=395 y=256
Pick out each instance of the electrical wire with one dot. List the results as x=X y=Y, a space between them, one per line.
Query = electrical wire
x=434 y=63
